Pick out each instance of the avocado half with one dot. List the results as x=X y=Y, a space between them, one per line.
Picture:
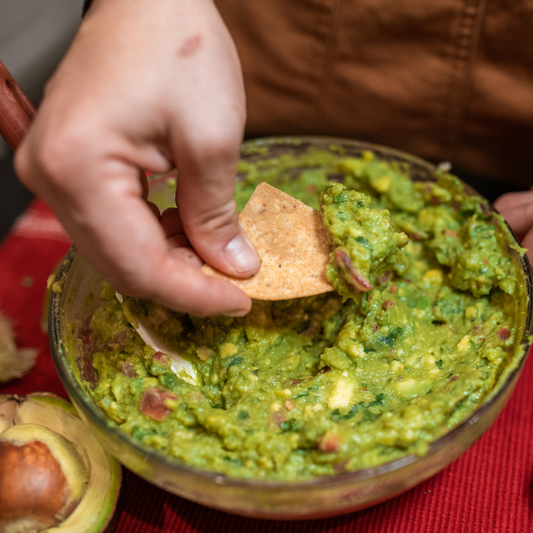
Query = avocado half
x=41 y=429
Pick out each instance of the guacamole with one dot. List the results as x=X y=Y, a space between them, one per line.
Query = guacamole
x=330 y=384
x=364 y=244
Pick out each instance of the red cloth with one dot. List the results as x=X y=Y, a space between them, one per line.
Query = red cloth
x=489 y=489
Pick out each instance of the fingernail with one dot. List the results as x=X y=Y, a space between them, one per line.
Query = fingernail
x=241 y=255
x=237 y=313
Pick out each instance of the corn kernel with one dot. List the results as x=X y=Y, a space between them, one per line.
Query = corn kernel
x=463 y=344
x=342 y=394
x=356 y=350
x=397 y=366
x=382 y=184
x=368 y=156
x=434 y=275
x=228 y=349
x=204 y=353
x=470 y=312
x=355 y=232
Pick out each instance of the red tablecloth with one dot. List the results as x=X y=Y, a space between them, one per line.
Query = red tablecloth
x=488 y=489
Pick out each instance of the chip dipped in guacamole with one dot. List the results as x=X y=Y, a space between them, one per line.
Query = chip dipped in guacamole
x=332 y=383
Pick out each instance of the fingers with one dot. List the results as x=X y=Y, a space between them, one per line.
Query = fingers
x=130 y=250
x=115 y=228
x=527 y=243
x=186 y=253
x=144 y=184
x=171 y=222
x=205 y=196
x=154 y=209
x=206 y=153
x=517 y=209
x=172 y=226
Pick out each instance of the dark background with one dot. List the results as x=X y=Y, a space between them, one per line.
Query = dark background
x=34 y=35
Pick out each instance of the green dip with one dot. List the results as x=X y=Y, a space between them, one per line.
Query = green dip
x=323 y=385
x=363 y=242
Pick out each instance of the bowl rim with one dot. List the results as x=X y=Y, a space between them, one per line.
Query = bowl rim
x=74 y=389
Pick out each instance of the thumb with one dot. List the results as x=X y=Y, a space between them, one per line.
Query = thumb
x=205 y=198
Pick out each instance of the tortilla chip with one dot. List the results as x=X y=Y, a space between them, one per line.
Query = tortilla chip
x=290 y=239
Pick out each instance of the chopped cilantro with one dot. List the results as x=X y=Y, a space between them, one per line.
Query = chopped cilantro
x=337 y=417
x=236 y=361
x=369 y=416
x=290 y=425
x=378 y=401
x=139 y=432
x=341 y=198
x=168 y=380
x=233 y=460
x=391 y=337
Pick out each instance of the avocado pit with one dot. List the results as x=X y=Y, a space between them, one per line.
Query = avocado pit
x=42 y=478
x=55 y=475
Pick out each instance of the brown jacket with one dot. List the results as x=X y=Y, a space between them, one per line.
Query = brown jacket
x=444 y=79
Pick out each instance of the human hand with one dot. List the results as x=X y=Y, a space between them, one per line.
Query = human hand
x=147 y=85
x=517 y=209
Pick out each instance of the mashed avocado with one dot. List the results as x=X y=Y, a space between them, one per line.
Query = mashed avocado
x=323 y=385
x=363 y=242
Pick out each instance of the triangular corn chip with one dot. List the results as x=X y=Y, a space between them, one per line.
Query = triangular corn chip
x=290 y=239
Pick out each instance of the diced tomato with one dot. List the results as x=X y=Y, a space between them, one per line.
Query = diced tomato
x=388 y=304
x=128 y=370
x=120 y=340
x=383 y=278
x=329 y=442
x=289 y=405
x=152 y=403
x=160 y=358
x=504 y=334
x=275 y=418
x=449 y=233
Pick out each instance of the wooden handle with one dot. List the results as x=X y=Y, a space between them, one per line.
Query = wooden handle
x=16 y=111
